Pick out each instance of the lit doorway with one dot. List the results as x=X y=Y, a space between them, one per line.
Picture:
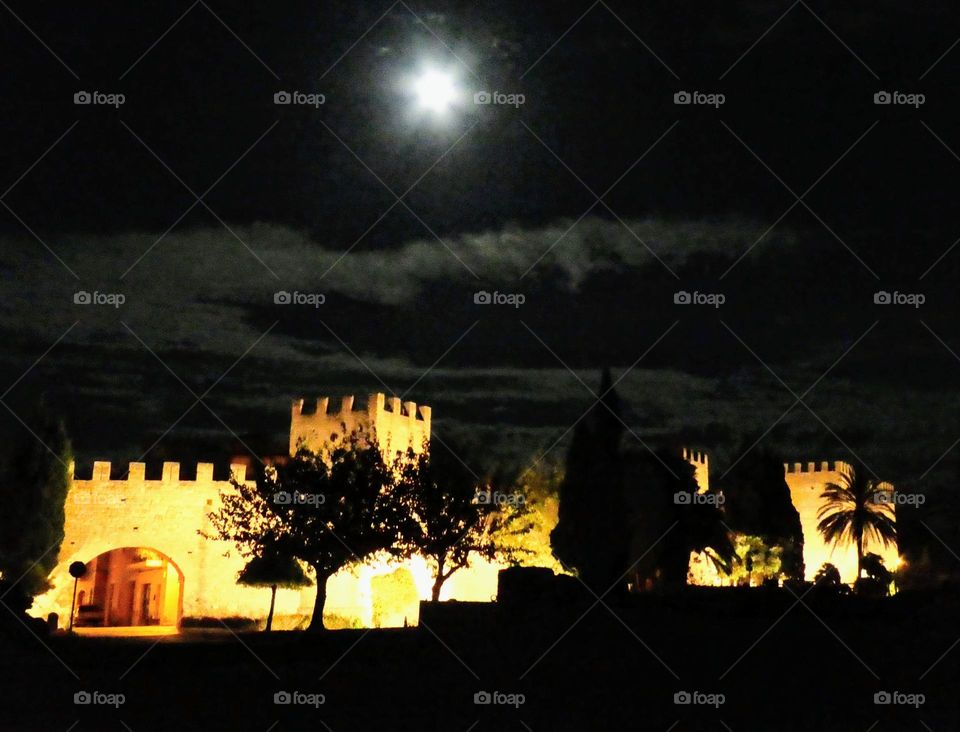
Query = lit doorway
x=130 y=587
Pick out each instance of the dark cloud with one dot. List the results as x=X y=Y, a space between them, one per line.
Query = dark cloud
x=199 y=300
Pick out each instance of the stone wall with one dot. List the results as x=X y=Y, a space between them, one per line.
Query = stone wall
x=110 y=511
x=807 y=482
x=397 y=425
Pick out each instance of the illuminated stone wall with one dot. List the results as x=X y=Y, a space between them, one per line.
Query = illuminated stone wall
x=701 y=464
x=114 y=511
x=117 y=507
x=362 y=596
x=807 y=482
x=397 y=425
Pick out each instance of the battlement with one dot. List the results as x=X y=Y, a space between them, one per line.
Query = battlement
x=372 y=404
x=824 y=466
x=701 y=464
x=696 y=457
x=395 y=424
x=104 y=471
x=807 y=482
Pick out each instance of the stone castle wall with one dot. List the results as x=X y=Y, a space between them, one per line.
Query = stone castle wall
x=701 y=464
x=118 y=508
x=807 y=482
x=112 y=511
x=397 y=425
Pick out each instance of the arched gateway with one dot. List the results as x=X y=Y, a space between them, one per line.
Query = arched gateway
x=130 y=586
x=149 y=565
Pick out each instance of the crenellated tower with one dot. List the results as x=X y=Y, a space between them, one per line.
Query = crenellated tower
x=146 y=534
x=807 y=482
x=701 y=465
x=396 y=425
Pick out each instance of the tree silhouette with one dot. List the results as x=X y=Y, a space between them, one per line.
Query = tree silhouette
x=451 y=515
x=874 y=568
x=670 y=518
x=827 y=576
x=591 y=534
x=878 y=577
x=856 y=508
x=327 y=510
x=272 y=569
x=758 y=503
x=33 y=492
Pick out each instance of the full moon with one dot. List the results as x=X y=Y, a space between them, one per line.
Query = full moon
x=435 y=91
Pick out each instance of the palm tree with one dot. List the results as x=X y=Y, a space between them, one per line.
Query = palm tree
x=857 y=508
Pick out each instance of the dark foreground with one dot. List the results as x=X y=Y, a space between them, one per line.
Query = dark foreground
x=817 y=666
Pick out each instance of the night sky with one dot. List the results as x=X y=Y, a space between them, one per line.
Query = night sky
x=597 y=199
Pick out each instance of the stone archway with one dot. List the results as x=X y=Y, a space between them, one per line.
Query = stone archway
x=130 y=587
